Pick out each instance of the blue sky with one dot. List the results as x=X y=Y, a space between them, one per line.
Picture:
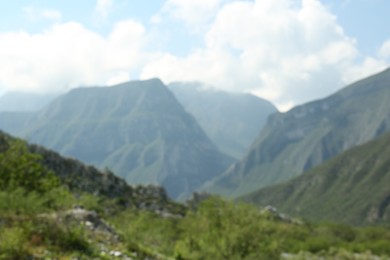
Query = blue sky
x=287 y=51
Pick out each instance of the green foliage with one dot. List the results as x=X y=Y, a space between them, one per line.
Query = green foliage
x=13 y=243
x=22 y=169
x=148 y=232
x=20 y=238
x=69 y=238
x=218 y=229
x=18 y=201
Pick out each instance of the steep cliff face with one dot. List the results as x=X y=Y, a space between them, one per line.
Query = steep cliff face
x=310 y=134
x=136 y=129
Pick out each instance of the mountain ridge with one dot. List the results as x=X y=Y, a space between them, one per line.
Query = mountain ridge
x=310 y=134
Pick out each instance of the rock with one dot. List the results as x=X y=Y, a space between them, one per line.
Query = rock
x=274 y=214
x=90 y=220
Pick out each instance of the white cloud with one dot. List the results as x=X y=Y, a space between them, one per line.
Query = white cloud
x=34 y=14
x=287 y=51
x=195 y=14
x=103 y=7
x=364 y=69
x=69 y=55
x=118 y=77
x=384 y=51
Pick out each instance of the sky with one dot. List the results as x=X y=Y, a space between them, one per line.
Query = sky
x=287 y=51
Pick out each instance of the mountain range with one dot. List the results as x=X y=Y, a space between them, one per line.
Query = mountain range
x=231 y=120
x=136 y=129
x=352 y=187
x=308 y=135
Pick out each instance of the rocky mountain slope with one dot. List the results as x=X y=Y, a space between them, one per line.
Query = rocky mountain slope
x=352 y=187
x=231 y=120
x=310 y=134
x=136 y=129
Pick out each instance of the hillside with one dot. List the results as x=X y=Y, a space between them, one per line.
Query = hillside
x=80 y=178
x=231 y=120
x=136 y=129
x=310 y=134
x=352 y=187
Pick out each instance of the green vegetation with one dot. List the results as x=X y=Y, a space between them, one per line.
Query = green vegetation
x=352 y=188
x=218 y=229
x=310 y=134
x=21 y=169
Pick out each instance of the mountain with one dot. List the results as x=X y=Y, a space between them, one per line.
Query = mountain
x=352 y=187
x=231 y=120
x=24 y=102
x=310 y=134
x=136 y=129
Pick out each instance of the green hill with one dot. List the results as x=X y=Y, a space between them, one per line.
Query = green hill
x=310 y=134
x=136 y=129
x=231 y=120
x=353 y=187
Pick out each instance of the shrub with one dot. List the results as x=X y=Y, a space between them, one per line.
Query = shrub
x=13 y=243
x=22 y=169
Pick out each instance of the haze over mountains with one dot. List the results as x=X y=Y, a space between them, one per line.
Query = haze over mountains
x=231 y=120
x=26 y=102
x=308 y=135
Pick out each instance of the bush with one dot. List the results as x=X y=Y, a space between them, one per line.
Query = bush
x=22 y=169
x=13 y=243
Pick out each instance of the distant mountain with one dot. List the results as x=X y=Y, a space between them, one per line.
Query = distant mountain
x=353 y=187
x=310 y=134
x=24 y=102
x=231 y=120
x=136 y=129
